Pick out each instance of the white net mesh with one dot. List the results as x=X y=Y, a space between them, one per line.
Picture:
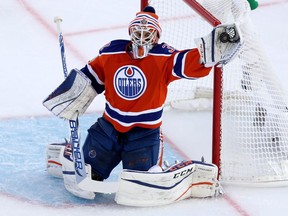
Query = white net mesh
x=254 y=142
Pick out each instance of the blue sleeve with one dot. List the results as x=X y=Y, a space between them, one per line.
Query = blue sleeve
x=98 y=87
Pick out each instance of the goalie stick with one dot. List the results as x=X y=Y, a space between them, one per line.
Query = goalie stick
x=73 y=123
x=83 y=180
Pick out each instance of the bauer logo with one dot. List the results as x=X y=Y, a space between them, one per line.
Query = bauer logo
x=129 y=82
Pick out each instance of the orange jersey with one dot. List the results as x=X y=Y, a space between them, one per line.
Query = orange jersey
x=136 y=89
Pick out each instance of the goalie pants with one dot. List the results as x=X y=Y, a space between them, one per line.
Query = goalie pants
x=138 y=149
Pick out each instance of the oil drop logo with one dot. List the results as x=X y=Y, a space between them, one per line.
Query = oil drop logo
x=130 y=82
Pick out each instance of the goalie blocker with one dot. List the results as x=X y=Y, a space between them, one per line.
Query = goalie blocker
x=72 y=97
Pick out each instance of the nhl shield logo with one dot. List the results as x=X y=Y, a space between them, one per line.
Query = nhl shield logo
x=129 y=82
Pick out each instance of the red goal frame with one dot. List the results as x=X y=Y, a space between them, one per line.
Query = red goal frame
x=217 y=84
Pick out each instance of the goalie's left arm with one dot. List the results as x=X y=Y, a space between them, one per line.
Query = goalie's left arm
x=220 y=46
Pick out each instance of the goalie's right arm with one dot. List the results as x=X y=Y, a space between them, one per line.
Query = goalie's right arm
x=73 y=96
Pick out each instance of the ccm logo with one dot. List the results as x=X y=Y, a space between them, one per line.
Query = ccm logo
x=182 y=165
x=184 y=172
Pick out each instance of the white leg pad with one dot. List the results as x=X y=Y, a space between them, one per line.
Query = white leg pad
x=183 y=180
x=204 y=181
x=53 y=164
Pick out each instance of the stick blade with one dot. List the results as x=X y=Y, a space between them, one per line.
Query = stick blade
x=98 y=186
x=86 y=183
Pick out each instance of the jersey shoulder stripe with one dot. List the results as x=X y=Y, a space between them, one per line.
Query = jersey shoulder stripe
x=115 y=46
x=162 y=49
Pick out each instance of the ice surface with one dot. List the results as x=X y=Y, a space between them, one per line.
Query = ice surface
x=23 y=161
x=31 y=69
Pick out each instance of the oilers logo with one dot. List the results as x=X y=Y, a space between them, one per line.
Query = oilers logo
x=129 y=82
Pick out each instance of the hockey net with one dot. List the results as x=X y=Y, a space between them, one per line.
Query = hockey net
x=253 y=146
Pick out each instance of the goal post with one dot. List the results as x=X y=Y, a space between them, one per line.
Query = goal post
x=217 y=92
x=250 y=108
x=217 y=87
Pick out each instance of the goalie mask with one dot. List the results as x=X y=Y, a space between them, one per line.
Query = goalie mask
x=144 y=32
